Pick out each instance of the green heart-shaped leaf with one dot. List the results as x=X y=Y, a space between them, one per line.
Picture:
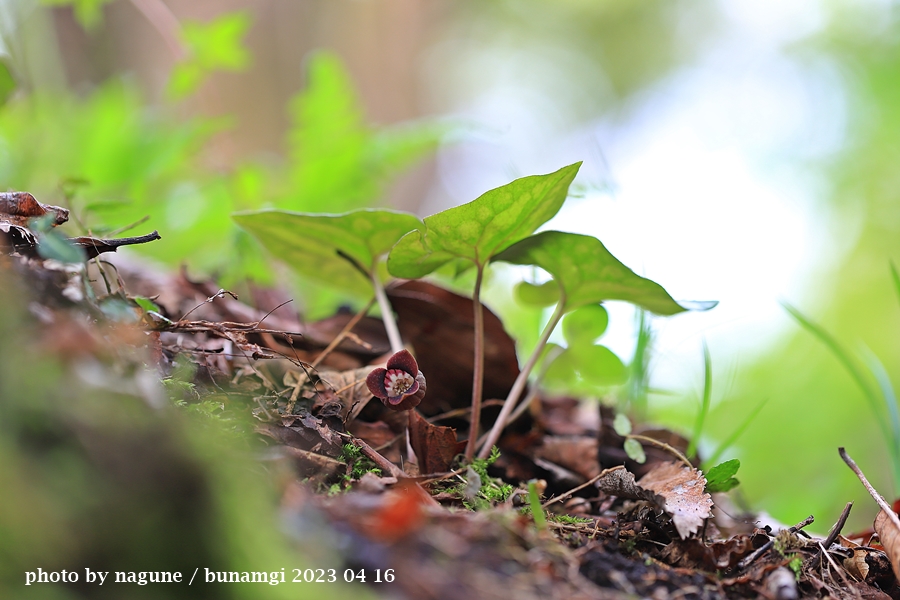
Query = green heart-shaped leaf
x=584 y=325
x=584 y=370
x=484 y=227
x=588 y=274
x=312 y=243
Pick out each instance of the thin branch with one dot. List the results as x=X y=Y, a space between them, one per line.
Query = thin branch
x=590 y=481
x=882 y=503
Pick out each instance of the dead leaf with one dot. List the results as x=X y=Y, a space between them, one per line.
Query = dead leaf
x=435 y=446
x=18 y=207
x=685 y=496
x=349 y=387
x=693 y=553
x=620 y=482
x=440 y=325
x=575 y=453
x=890 y=539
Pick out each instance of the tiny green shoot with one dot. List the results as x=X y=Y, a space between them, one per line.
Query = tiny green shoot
x=704 y=404
x=537 y=511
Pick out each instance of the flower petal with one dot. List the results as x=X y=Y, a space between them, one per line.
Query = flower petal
x=403 y=360
x=375 y=383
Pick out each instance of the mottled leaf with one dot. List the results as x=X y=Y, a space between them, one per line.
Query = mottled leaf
x=480 y=229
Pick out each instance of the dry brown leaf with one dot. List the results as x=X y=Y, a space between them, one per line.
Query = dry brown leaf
x=890 y=539
x=685 y=495
x=724 y=555
x=575 y=453
x=435 y=446
x=350 y=389
x=618 y=481
x=18 y=207
x=440 y=326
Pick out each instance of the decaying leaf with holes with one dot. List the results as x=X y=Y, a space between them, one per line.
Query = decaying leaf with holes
x=684 y=490
x=674 y=487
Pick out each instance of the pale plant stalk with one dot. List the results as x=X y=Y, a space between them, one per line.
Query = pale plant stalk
x=519 y=386
x=387 y=314
x=165 y=22
x=478 y=368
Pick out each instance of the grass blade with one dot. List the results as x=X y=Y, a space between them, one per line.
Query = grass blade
x=731 y=439
x=844 y=358
x=704 y=405
x=890 y=399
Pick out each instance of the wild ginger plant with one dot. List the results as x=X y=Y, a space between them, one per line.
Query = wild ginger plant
x=475 y=233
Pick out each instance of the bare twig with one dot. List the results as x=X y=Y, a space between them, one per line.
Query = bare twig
x=834 y=533
x=765 y=547
x=375 y=457
x=664 y=446
x=220 y=294
x=590 y=481
x=343 y=334
x=882 y=503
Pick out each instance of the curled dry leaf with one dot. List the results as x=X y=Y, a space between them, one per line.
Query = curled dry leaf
x=684 y=490
x=18 y=207
x=618 y=481
x=887 y=530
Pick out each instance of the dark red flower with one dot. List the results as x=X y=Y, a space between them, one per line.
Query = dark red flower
x=400 y=386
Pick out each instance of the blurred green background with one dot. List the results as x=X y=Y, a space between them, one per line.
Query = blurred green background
x=738 y=151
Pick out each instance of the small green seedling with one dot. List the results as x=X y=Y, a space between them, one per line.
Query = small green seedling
x=475 y=233
x=585 y=273
x=336 y=249
x=534 y=502
x=721 y=478
x=633 y=448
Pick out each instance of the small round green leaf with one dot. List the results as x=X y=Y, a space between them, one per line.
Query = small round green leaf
x=721 y=478
x=622 y=424
x=635 y=451
x=545 y=294
x=584 y=325
x=597 y=365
